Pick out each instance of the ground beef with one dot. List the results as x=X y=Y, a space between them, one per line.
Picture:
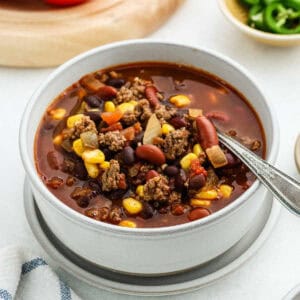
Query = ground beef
x=174 y=197
x=129 y=118
x=115 y=215
x=143 y=110
x=84 y=125
x=82 y=195
x=175 y=143
x=130 y=92
x=157 y=189
x=114 y=140
x=100 y=214
x=111 y=177
x=164 y=112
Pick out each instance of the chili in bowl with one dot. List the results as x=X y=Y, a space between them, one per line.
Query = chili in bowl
x=126 y=157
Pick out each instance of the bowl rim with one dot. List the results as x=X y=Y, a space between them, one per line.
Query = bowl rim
x=259 y=33
x=77 y=217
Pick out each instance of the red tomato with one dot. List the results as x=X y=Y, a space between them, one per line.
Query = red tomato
x=64 y=2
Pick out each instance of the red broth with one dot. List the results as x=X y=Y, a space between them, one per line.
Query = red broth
x=230 y=110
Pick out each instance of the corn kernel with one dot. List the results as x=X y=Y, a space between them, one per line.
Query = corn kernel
x=125 y=107
x=200 y=203
x=186 y=161
x=197 y=149
x=127 y=223
x=93 y=156
x=132 y=205
x=133 y=102
x=207 y=195
x=74 y=119
x=180 y=100
x=58 y=113
x=92 y=170
x=105 y=165
x=57 y=140
x=109 y=106
x=140 y=190
x=78 y=147
x=226 y=190
x=167 y=128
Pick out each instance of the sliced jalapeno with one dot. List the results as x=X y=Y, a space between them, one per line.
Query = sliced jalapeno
x=250 y=2
x=282 y=20
x=256 y=17
x=295 y=4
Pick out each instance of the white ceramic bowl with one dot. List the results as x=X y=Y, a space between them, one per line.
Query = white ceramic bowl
x=237 y=15
x=158 y=250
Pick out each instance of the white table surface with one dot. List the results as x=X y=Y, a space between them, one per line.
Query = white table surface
x=275 y=269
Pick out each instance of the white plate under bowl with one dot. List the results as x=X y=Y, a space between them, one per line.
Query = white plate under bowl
x=183 y=282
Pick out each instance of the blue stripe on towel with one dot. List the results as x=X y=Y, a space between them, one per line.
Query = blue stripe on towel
x=5 y=295
x=65 y=292
x=32 y=264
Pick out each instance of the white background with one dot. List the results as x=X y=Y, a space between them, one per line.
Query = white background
x=275 y=269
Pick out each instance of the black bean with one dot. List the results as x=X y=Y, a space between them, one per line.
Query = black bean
x=107 y=153
x=147 y=211
x=180 y=180
x=138 y=138
x=171 y=170
x=93 y=101
x=94 y=115
x=232 y=160
x=115 y=82
x=79 y=171
x=128 y=155
x=197 y=182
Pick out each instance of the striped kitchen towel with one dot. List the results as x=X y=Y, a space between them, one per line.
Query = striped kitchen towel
x=24 y=276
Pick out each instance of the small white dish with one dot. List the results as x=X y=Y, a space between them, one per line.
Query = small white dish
x=294 y=294
x=61 y=257
x=124 y=249
x=237 y=15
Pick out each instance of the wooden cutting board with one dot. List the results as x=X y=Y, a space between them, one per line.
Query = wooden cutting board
x=33 y=34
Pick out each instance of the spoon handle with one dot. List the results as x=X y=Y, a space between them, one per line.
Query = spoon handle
x=283 y=187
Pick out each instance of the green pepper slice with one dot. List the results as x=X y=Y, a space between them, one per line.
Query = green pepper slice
x=267 y=2
x=279 y=19
x=256 y=17
x=250 y=2
x=295 y=4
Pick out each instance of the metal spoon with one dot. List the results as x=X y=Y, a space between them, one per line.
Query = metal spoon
x=283 y=187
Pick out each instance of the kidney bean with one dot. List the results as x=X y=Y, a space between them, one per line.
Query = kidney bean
x=197 y=182
x=198 y=213
x=178 y=122
x=151 y=153
x=147 y=211
x=128 y=155
x=107 y=92
x=115 y=82
x=151 y=174
x=207 y=134
x=171 y=170
x=180 y=180
x=52 y=160
x=177 y=209
x=94 y=115
x=218 y=115
x=150 y=92
x=93 y=101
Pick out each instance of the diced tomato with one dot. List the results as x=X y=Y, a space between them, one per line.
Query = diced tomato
x=196 y=168
x=64 y=2
x=128 y=133
x=117 y=126
x=111 y=117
